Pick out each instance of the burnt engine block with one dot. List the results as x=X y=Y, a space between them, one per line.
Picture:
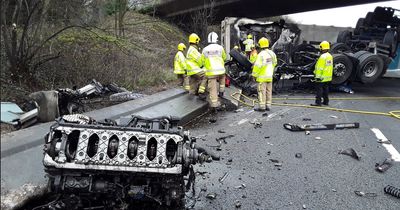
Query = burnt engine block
x=137 y=158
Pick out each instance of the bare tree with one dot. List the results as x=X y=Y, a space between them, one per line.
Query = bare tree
x=202 y=18
x=22 y=24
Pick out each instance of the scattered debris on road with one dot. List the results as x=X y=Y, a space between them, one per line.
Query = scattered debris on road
x=238 y=204
x=304 y=206
x=384 y=166
x=13 y=115
x=223 y=138
x=274 y=160
x=333 y=116
x=242 y=186
x=306 y=119
x=350 y=152
x=298 y=155
x=239 y=110
x=309 y=127
x=222 y=179
x=221 y=131
x=318 y=138
x=308 y=132
x=393 y=191
x=211 y=196
x=364 y=194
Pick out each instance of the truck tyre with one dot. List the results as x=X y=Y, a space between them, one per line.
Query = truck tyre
x=390 y=39
x=241 y=59
x=342 y=68
x=358 y=29
x=340 y=47
x=369 y=19
x=344 y=36
x=369 y=68
x=360 y=53
x=298 y=59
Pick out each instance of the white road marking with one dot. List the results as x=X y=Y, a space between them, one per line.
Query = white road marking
x=389 y=147
x=243 y=121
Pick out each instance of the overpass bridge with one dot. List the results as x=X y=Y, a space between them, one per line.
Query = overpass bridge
x=248 y=8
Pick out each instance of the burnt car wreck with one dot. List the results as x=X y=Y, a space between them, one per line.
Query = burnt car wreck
x=111 y=166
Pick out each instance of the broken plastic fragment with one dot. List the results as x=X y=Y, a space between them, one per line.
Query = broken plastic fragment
x=360 y=193
x=238 y=204
x=211 y=196
x=384 y=166
x=350 y=152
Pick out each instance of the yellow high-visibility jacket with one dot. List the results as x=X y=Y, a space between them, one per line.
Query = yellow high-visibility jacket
x=213 y=57
x=253 y=56
x=324 y=68
x=248 y=44
x=263 y=69
x=179 y=63
x=193 y=61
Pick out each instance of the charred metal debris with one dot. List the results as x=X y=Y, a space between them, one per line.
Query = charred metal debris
x=112 y=165
x=46 y=106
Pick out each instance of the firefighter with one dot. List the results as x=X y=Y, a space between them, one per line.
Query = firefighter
x=180 y=67
x=213 y=57
x=194 y=66
x=248 y=43
x=253 y=54
x=323 y=75
x=263 y=71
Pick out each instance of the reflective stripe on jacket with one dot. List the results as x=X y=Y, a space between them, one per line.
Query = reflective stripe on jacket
x=324 y=68
x=213 y=57
x=248 y=44
x=263 y=68
x=179 y=63
x=193 y=61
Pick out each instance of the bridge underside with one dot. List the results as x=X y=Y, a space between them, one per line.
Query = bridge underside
x=249 y=8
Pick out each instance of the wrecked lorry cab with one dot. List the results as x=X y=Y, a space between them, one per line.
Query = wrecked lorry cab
x=115 y=164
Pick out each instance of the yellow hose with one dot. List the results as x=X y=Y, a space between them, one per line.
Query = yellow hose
x=355 y=99
x=395 y=114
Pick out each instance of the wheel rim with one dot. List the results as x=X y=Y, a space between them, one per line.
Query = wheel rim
x=370 y=69
x=339 y=69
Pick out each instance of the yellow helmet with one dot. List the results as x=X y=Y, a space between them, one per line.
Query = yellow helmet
x=324 y=45
x=263 y=42
x=249 y=36
x=194 y=39
x=236 y=47
x=181 y=47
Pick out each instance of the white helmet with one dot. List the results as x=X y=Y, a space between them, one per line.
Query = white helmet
x=212 y=37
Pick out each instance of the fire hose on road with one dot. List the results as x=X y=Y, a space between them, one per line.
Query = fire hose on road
x=248 y=101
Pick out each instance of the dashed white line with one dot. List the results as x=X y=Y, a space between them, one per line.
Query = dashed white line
x=389 y=147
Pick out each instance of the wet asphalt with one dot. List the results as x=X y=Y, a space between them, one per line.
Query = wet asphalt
x=319 y=178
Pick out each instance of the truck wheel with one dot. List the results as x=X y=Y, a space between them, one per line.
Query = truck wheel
x=369 y=19
x=342 y=68
x=297 y=58
x=360 y=23
x=360 y=53
x=343 y=36
x=390 y=39
x=340 y=47
x=241 y=59
x=369 y=68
